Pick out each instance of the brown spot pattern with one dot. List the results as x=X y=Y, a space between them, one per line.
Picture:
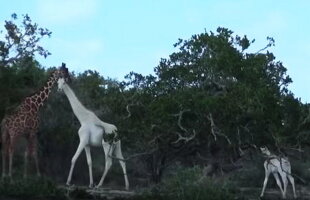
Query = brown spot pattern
x=25 y=120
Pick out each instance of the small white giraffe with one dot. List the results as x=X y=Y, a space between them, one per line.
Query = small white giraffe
x=277 y=166
x=91 y=133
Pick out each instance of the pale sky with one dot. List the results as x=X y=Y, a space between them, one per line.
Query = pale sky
x=115 y=37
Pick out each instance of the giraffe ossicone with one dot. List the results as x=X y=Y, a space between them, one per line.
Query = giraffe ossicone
x=24 y=121
x=91 y=133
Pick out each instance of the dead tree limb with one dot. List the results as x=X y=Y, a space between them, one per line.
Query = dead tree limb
x=186 y=139
x=215 y=131
x=132 y=156
x=180 y=137
x=128 y=111
x=180 y=116
x=212 y=126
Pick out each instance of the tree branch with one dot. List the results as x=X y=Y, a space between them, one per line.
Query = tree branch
x=215 y=131
x=186 y=139
x=132 y=156
x=180 y=137
x=180 y=116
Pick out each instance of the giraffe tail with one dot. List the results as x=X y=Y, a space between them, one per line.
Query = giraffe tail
x=109 y=129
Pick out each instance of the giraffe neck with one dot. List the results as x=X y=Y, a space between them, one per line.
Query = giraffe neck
x=37 y=100
x=78 y=108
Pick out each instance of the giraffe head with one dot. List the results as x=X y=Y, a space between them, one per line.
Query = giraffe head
x=63 y=72
x=265 y=150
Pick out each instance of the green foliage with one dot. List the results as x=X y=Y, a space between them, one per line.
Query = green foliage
x=190 y=184
x=302 y=176
x=251 y=174
x=18 y=81
x=21 y=41
x=211 y=75
x=30 y=188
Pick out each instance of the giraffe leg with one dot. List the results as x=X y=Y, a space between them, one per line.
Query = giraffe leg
x=108 y=149
x=74 y=158
x=267 y=173
x=11 y=154
x=34 y=153
x=3 y=160
x=4 y=151
x=119 y=155
x=4 y=156
x=89 y=162
x=276 y=176
x=36 y=161
x=25 y=163
x=285 y=183
x=291 y=179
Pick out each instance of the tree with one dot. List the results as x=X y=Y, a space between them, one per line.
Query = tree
x=21 y=41
x=208 y=96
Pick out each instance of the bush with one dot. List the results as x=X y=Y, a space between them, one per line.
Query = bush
x=30 y=188
x=187 y=184
x=300 y=171
x=252 y=174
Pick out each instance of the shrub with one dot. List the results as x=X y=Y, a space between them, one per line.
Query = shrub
x=30 y=188
x=189 y=183
x=301 y=172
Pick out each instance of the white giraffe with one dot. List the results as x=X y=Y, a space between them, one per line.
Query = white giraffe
x=277 y=166
x=91 y=134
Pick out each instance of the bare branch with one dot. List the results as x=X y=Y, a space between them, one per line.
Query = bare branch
x=129 y=113
x=212 y=126
x=225 y=136
x=130 y=104
x=219 y=86
x=154 y=139
x=299 y=149
x=132 y=156
x=270 y=43
x=215 y=131
x=202 y=157
x=239 y=138
x=182 y=138
x=153 y=126
x=186 y=139
x=180 y=116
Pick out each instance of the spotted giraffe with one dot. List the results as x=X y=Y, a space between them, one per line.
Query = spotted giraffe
x=24 y=121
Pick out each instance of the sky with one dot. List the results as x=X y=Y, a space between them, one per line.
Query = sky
x=116 y=37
